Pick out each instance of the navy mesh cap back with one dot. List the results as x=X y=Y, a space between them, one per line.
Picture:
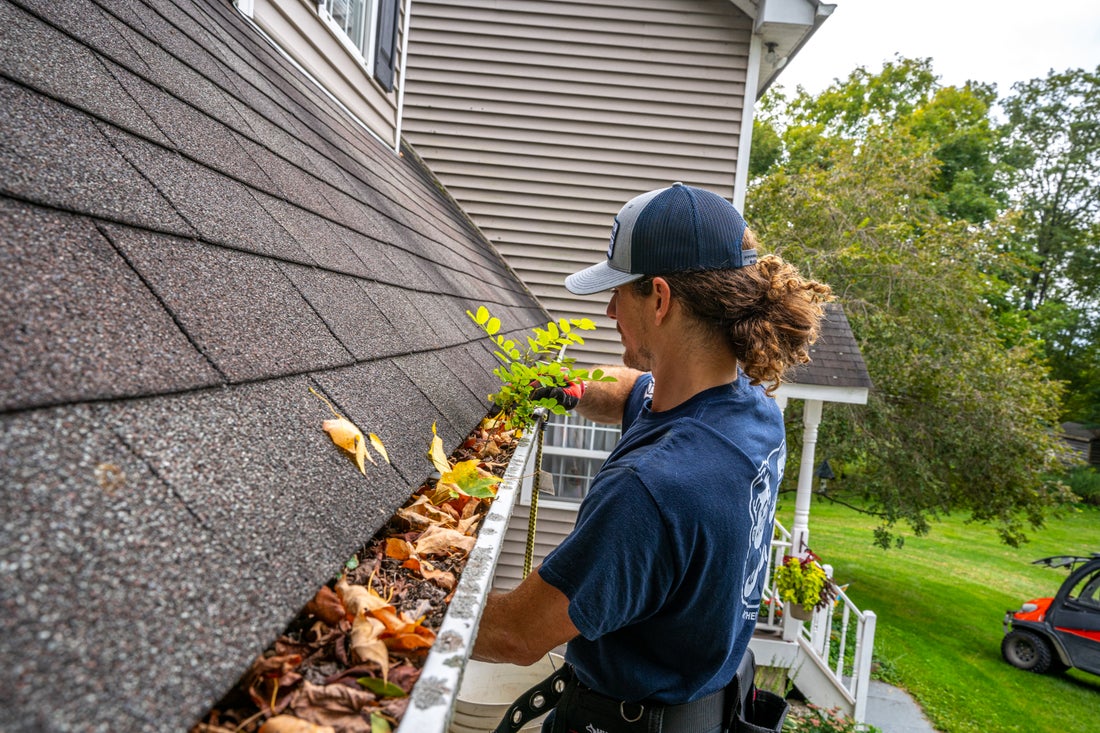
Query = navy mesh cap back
x=674 y=229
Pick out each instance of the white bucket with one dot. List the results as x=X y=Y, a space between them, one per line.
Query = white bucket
x=489 y=689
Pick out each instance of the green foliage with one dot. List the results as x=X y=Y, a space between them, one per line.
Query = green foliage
x=961 y=391
x=1084 y=481
x=950 y=125
x=1052 y=147
x=801 y=581
x=542 y=363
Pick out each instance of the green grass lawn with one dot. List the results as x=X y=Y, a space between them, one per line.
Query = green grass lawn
x=940 y=600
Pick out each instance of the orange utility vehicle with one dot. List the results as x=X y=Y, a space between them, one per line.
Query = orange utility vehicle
x=1053 y=634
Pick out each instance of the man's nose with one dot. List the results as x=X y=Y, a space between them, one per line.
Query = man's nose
x=611 y=306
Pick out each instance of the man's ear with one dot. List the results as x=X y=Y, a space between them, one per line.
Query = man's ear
x=663 y=300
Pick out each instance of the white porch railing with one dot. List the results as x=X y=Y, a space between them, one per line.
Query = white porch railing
x=840 y=638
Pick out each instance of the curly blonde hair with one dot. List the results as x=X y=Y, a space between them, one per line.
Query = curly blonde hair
x=768 y=313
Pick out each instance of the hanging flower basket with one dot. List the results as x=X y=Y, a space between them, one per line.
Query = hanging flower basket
x=803 y=585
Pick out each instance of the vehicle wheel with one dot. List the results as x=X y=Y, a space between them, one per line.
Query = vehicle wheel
x=1027 y=650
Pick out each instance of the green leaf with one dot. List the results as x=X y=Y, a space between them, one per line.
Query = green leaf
x=378 y=724
x=382 y=688
x=492 y=326
x=482 y=315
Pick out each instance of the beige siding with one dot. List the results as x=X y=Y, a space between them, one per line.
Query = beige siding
x=543 y=118
x=298 y=29
x=551 y=526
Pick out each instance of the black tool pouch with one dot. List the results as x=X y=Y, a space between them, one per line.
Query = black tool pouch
x=752 y=710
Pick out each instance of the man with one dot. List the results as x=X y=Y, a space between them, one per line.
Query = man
x=657 y=589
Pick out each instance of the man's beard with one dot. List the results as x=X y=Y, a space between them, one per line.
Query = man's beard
x=640 y=359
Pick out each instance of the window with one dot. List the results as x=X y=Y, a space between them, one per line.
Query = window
x=352 y=18
x=369 y=28
x=1087 y=590
x=573 y=451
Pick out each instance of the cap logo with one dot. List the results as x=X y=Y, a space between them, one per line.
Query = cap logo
x=611 y=243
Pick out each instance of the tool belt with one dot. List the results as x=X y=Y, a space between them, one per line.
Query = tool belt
x=739 y=708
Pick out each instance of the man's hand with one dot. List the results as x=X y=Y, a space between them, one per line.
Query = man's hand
x=567 y=396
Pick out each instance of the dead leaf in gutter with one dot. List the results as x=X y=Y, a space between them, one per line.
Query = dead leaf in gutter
x=438 y=540
x=290 y=724
x=399 y=549
x=339 y=706
x=365 y=644
x=359 y=599
x=327 y=606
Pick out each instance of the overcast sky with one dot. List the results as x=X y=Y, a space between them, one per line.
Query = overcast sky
x=999 y=41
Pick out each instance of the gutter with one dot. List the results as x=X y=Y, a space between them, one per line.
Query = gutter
x=435 y=693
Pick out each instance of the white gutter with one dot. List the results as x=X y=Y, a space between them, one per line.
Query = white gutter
x=435 y=693
x=404 y=68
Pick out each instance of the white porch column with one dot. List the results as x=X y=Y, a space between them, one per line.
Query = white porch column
x=800 y=528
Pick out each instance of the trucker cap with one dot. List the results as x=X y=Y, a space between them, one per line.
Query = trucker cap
x=674 y=229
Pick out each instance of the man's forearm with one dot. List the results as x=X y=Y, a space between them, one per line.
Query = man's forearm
x=603 y=402
x=522 y=625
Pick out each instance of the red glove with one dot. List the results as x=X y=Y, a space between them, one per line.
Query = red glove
x=567 y=396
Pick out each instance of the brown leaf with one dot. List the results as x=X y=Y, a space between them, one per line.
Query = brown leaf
x=359 y=599
x=290 y=724
x=327 y=606
x=339 y=706
x=442 y=578
x=422 y=512
x=365 y=645
x=438 y=540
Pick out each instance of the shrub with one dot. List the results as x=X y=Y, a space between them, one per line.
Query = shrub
x=1085 y=482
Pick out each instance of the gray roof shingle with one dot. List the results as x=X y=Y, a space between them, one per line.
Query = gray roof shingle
x=193 y=238
x=835 y=359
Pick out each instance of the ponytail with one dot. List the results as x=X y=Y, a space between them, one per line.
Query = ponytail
x=768 y=313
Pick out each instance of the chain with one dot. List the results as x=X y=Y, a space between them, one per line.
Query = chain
x=541 y=415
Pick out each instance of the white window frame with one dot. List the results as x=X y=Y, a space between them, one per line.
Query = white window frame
x=570 y=426
x=364 y=56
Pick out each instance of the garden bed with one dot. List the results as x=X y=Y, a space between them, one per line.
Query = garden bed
x=383 y=646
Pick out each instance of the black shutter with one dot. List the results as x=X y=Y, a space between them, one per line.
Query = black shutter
x=385 y=55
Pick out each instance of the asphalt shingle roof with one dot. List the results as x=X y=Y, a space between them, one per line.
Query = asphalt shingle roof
x=835 y=357
x=194 y=236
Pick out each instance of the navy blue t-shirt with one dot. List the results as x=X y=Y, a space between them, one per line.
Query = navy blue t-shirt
x=665 y=568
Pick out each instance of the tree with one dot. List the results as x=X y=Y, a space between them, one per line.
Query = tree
x=952 y=123
x=959 y=417
x=1052 y=151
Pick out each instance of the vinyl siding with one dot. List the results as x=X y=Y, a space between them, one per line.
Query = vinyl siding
x=551 y=526
x=543 y=118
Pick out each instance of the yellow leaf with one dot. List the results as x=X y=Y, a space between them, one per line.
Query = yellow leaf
x=344 y=434
x=376 y=442
x=436 y=455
